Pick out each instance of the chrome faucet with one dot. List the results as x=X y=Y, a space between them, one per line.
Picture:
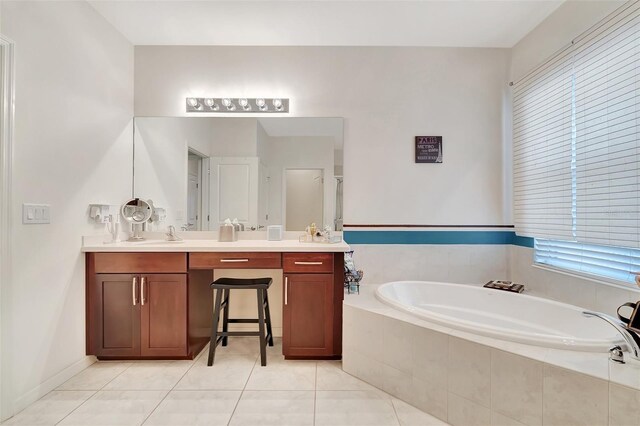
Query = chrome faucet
x=630 y=338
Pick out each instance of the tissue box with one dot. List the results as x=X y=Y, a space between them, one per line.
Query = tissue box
x=274 y=232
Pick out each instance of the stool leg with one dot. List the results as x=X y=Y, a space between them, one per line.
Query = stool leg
x=263 y=342
x=214 y=328
x=268 y=314
x=225 y=316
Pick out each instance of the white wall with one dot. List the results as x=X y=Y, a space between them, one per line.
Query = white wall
x=387 y=97
x=73 y=127
x=570 y=20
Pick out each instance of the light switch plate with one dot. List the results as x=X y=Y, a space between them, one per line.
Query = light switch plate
x=36 y=213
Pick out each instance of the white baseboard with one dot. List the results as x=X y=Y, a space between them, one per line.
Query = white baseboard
x=50 y=384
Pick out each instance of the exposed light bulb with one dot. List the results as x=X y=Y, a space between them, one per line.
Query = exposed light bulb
x=260 y=102
x=211 y=104
x=230 y=105
x=244 y=103
x=277 y=103
x=193 y=103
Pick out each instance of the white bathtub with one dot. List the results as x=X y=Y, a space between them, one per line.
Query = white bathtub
x=500 y=314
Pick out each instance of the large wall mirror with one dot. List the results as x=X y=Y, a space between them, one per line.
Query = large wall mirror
x=199 y=171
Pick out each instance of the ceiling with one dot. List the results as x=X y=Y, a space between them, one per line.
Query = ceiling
x=463 y=23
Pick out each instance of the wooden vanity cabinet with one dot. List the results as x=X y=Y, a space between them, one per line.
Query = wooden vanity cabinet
x=313 y=294
x=159 y=305
x=141 y=314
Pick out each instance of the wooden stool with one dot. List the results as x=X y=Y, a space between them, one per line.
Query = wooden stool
x=223 y=287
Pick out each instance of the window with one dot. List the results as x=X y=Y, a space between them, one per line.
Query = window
x=616 y=263
x=577 y=151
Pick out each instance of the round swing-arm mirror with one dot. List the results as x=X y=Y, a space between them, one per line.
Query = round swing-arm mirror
x=137 y=212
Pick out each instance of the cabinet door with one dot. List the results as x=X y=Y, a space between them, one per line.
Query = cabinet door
x=308 y=315
x=163 y=301
x=114 y=313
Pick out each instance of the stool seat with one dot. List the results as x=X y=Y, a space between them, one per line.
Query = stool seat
x=242 y=283
x=222 y=288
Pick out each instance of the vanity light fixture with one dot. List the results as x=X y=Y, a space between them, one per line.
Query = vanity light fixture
x=238 y=105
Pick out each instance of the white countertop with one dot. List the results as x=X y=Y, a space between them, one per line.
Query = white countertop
x=92 y=244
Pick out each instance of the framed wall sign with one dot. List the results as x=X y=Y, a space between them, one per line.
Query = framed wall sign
x=428 y=149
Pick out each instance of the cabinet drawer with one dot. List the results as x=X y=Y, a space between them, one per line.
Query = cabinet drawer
x=140 y=263
x=239 y=260
x=314 y=263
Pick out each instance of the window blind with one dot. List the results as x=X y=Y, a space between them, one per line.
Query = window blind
x=576 y=140
x=542 y=144
x=618 y=263
x=606 y=68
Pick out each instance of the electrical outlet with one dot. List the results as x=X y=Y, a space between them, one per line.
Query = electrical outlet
x=36 y=214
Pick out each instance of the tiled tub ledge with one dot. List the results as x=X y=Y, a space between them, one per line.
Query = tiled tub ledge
x=467 y=379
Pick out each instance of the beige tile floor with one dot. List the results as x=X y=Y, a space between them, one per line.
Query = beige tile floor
x=235 y=391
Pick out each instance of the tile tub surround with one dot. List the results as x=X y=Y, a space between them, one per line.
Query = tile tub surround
x=459 y=263
x=236 y=390
x=467 y=379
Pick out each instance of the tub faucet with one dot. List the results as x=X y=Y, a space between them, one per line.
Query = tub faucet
x=629 y=336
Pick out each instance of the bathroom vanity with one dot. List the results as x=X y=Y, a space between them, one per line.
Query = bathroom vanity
x=152 y=300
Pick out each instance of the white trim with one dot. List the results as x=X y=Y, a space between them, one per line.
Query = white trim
x=51 y=383
x=588 y=277
x=7 y=113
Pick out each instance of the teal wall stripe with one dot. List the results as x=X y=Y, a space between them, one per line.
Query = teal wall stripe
x=436 y=237
x=522 y=241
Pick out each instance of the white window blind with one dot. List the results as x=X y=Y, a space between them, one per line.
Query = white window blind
x=542 y=181
x=617 y=263
x=606 y=67
x=576 y=141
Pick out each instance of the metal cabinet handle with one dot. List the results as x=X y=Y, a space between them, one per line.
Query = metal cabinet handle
x=233 y=260
x=307 y=263
x=286 y=290
x=133 y=290
x=142 y=291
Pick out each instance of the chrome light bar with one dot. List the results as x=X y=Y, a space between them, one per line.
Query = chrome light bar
x=238 y=105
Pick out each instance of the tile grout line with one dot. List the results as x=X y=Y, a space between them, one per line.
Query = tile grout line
x=315 y=395
x=170 y=390
x=94 y=393
x=242 y=392
x=72 y=411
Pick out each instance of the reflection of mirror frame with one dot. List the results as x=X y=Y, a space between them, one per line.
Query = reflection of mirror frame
x=276 y=127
